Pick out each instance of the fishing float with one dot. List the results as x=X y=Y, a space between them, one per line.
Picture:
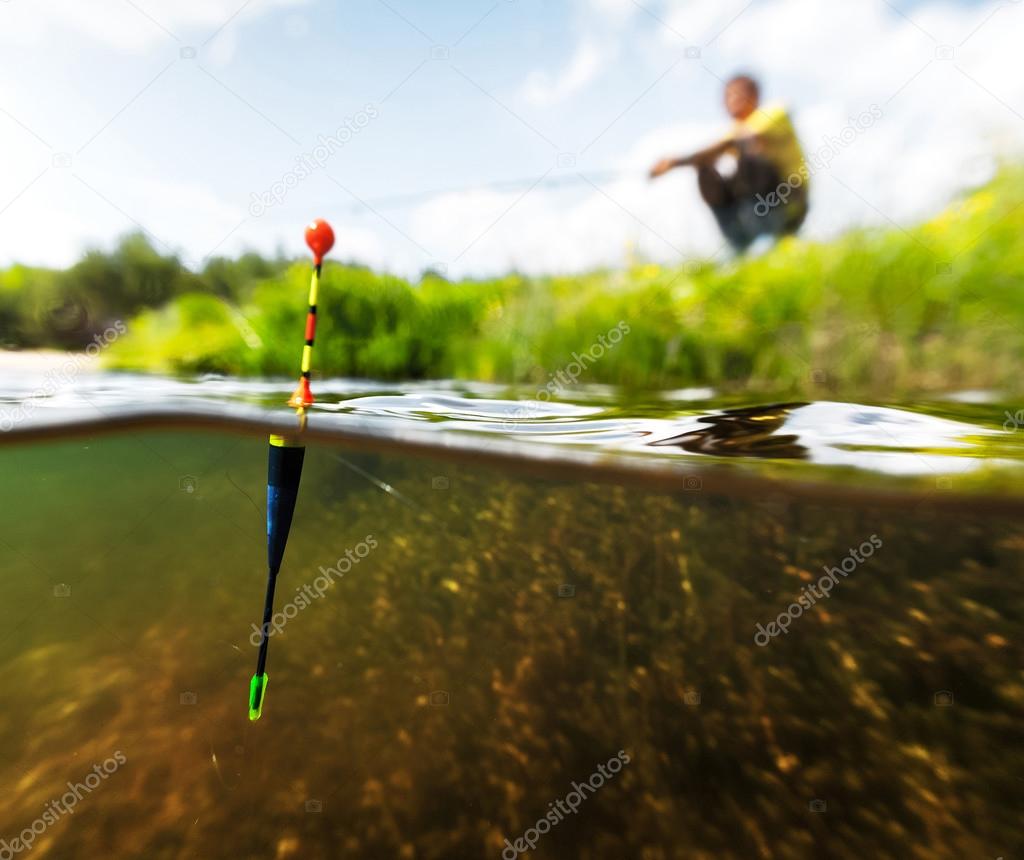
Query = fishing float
x=284 y=467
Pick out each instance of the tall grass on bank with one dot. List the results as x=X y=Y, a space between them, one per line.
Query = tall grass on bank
x=937 y=306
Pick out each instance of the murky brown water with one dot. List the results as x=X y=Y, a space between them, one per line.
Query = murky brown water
x=508 y=636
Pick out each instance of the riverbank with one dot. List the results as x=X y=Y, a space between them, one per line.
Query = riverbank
x=41 y=361
x=874 y=314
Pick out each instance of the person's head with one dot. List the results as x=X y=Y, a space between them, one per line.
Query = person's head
x=741 y=96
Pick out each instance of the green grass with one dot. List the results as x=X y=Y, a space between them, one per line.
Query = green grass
x=935 y=307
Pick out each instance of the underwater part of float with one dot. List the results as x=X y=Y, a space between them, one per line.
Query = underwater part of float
x=284 y=468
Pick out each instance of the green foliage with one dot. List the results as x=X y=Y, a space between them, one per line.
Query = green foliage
x=367 y=324
x=64 y=309
x=232 y=279
x=938 y=306
x=196 y=333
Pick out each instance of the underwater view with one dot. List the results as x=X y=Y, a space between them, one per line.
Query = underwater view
x=585 y=430
x=504 y=627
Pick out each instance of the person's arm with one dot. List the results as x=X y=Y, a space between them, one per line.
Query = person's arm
x=697 y=159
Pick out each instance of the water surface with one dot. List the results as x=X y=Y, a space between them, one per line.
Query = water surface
x=551 y=584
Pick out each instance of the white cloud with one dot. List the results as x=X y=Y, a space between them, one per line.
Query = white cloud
x=557 y=230
x=613 y=12
x=68 y=210
x=944 y=122
x=544 y=88
x=132 y=27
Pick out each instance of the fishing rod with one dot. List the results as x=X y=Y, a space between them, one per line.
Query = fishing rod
x=401 y=201
x=284 y=467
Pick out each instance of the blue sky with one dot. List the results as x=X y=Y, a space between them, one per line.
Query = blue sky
x=169 y=117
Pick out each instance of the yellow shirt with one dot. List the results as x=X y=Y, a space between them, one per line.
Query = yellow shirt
x=776 y=139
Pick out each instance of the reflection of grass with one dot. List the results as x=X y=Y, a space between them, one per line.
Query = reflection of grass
x=461 y=596
x=938 y=306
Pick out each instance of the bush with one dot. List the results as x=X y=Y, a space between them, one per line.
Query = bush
x=935 y=307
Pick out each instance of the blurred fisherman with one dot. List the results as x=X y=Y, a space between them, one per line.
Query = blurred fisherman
x=767 y=192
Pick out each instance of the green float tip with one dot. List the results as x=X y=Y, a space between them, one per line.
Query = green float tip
x=257 y=690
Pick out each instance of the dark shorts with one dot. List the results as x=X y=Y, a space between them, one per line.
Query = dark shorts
x=748 y=204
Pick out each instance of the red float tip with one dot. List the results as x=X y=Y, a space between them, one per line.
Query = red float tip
x=301 y=396
x=320 y=238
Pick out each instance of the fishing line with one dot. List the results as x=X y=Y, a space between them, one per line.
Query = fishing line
x=387 y=488
x=402 y=201
x=252 y=501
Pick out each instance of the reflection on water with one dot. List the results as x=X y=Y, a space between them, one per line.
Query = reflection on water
x=912 y=446
x=506 y=637
x=744 y=432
